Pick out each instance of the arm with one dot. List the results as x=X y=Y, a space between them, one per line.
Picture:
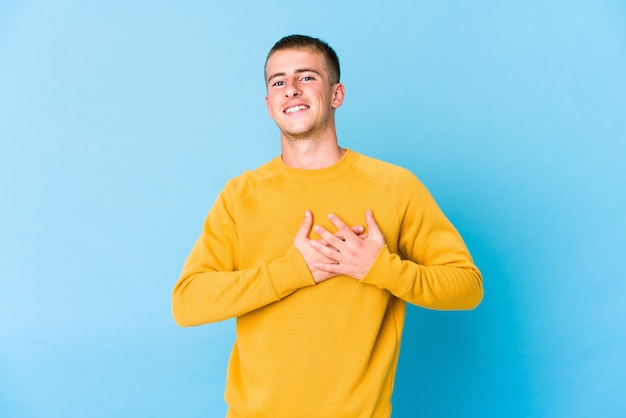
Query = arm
x=433 y=268
x=453 y=285
x=212 y=288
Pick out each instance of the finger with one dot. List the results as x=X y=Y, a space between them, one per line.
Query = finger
x=344 y=230
x=305 y=227
x=330 y=240
x=358 y=230
x=327 y=251
x=323 y=242
x=331 y=268
x=372 y=226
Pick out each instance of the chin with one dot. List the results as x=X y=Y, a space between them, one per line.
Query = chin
x=298 y=135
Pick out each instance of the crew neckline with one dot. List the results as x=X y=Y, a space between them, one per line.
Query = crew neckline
x=292 y=173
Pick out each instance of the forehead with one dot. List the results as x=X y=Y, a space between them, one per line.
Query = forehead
x=290 y=60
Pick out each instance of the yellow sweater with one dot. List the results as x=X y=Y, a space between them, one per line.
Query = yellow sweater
x=328 y=349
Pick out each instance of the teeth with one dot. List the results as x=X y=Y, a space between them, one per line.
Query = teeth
x=296 y=108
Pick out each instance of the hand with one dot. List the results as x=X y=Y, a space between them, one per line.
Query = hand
x=347 y=253
x=302 y=242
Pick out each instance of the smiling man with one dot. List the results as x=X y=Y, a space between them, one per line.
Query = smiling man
x=316 y=254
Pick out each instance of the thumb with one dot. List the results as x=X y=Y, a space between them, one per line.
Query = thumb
x=305 y=227
x=372 y=226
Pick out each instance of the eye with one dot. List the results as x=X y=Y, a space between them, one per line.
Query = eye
x=307 y=78
x=278 y=84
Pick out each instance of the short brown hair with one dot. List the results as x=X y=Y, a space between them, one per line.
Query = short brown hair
x=314 y=44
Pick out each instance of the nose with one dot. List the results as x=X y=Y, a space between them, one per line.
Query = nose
x=292 y=90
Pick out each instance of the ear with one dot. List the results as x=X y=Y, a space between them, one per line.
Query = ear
x=338 y=95
x=267 y=104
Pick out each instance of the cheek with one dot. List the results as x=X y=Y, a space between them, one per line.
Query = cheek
x=268 y=104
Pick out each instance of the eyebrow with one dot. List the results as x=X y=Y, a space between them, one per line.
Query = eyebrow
x=298 y=71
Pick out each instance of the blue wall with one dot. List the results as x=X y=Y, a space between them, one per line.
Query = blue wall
x=120 y=122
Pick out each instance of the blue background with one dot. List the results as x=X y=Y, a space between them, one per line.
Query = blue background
x=120 y=122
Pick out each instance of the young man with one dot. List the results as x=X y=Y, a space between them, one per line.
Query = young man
x=316 y=254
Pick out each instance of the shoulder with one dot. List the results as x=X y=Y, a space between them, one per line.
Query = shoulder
x=249 y=181
x=384 y=173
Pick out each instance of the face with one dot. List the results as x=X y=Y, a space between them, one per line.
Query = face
x=300 y=97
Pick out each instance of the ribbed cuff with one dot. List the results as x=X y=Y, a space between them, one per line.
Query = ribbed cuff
x=288 y=274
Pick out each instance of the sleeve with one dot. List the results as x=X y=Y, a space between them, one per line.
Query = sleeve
x=432 y=267
x=211 y=288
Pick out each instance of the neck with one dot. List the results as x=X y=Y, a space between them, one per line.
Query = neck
x=310 y=154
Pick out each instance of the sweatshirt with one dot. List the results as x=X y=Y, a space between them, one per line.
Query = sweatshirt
x=329 y=349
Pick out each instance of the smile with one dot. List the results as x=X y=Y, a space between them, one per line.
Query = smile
x=296 y=108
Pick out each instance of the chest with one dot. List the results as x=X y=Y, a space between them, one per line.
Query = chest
x=268 y=220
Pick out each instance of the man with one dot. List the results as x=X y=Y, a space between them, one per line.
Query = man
x=316 y=254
